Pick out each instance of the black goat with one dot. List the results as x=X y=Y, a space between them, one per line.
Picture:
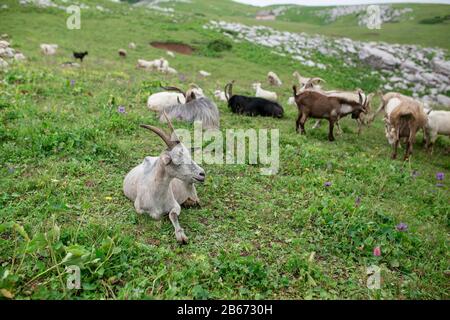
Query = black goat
x=80 y=55
x=252 y=106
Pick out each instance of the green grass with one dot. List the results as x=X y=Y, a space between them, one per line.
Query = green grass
x=65 y=151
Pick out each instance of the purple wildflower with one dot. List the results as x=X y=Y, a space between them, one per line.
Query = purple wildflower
x=182 y=77
x=440 y=176
x=402 y=226
x=327 y=184
x=72 y=82
x=121 y=109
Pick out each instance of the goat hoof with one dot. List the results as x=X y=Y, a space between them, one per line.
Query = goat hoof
x=181 y=237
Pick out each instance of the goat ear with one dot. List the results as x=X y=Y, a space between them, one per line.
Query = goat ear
x=166 y=158
x=193 y=97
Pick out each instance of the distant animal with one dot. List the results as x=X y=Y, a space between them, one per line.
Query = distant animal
x=49 y=49
x=252 y=106
x=320 y=106
x=261 y=93
x=404 y=121
x=80 y=55
x=132 y=45
x=122 y=53
x=194 y=109
x=273 y=79
x=438 y=123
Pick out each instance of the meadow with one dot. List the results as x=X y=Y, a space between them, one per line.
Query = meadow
x=65 y=149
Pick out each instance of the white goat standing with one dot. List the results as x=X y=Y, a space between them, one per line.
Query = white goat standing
x=261 y=93
x=438 y=122
x=160 y=185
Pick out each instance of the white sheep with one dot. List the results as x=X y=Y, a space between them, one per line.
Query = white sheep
x=160 y=185
x=274 y=80
x=438 y=123
x=204 y=73
x=261 y=93
x=49 y=49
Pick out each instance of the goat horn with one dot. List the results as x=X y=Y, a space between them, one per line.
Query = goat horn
x=161 y=134
x=317 y=80
x=175 y=89
x=169 y=123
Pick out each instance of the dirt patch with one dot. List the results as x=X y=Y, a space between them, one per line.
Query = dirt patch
x=175 y=47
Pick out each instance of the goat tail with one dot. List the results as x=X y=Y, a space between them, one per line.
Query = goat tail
x=294 y=88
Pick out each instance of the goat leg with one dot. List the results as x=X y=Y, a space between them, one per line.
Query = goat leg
x=179 y=232
x=395 y=146
x=330 y=132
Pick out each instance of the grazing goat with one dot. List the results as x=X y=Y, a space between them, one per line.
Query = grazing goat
x=194 y=109
x=160 y=185
x=360 y=117
x=274 y=80
x=261 y=93
x=132 y=45
x=403 y=122
x=80 y=55
x=317 y=105
x=49 y=49
x=252 y=106
x=438 y=123
x=122 y=53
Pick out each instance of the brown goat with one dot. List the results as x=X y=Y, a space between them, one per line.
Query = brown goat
x=319 y=106
x=404 y=122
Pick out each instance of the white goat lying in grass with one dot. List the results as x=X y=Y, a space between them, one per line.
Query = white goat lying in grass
x=261 y=93
x=49 y=49
x=160 y=185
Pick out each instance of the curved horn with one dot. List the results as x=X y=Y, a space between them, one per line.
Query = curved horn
x=175 y=89
x=161 y=134
x=169 y=123
x=317 y=79
x=226 y=92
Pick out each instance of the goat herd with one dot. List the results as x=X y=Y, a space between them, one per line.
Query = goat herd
x=161 y=185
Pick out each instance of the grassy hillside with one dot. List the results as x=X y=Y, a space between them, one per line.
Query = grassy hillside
x=305 y=19
x=65 y=150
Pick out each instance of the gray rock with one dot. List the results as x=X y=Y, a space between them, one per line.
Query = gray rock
x=441 y=66
x=378 y=58
x=444 y=100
